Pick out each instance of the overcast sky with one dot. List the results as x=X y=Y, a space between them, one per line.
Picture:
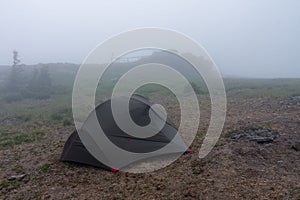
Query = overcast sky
x=250 y=38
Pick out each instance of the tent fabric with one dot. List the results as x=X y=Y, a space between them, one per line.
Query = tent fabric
x=75 y=151
x=139 y=107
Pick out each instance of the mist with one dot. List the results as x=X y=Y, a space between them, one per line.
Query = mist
x=245 y=38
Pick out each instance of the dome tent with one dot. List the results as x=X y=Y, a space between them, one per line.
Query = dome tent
x=139 y=107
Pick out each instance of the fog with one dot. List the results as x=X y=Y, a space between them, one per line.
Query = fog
x=245 y=38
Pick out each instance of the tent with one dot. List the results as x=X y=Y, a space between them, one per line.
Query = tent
x=139 y=107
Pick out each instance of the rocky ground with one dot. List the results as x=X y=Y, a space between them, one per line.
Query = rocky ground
x=238 y=167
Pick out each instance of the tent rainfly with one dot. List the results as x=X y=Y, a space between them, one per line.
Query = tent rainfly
x=139 y=107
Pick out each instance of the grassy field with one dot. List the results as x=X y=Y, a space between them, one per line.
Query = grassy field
x=57 y=110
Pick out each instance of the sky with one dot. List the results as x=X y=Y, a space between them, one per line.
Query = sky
x=245 y=38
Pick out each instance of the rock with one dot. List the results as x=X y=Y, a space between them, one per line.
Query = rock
x=262 y=139
x=238 y=136
x=18 y=177
x=296 y=146
x=295 y=98
x=255 y=133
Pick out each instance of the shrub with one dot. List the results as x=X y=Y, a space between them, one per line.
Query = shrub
x=196 y=88
x=67 y=122
x=24 y=118
x=56 y=117
x=13 y=97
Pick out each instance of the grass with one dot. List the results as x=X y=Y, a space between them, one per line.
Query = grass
x=11 y=185
x=58 y=107
x=4 y=184
x=262 y=87
x=10 y=140
x=67 y=122
x=220 y=143
x=45 y=167
x=58 y=111
x=53 y=110
x=18 y=168
x=25 y=117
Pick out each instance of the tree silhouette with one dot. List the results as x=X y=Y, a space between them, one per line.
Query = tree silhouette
x=14 y=82
x=40 y=85
x=16 y=59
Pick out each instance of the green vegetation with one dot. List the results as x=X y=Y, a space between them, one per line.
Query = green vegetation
x=45 y=167
x=56 y=109
x=33 y=111
x=48 y=81
x=4 y=184
x=262 y=87
x=24 y=118
x=18 y=169
x=20 y=138
x=37 y=86
x=14 y=184
x=21 y=82
x=67 y=122
x=61 y=115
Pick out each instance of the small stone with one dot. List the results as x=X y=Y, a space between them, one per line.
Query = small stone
x=19 y=177
x=262 y=139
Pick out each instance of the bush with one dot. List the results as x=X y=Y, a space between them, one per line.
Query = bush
x=56 y=117
x=24 y=118
x=196 y=88
x=43 y=93
x=67 y=122
x=13 y=97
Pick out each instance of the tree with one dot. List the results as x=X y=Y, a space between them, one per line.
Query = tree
x=14 y=82
x=33 y=83
x=40 y=85
x=44 y=78
x=16 y=59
